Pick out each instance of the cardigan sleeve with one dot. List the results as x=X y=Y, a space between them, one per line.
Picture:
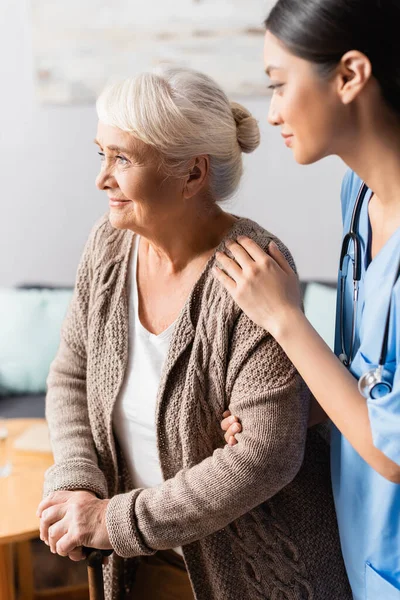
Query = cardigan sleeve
x=271 y=400
x=75 y=460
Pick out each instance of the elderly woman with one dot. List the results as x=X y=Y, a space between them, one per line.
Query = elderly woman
x=154 y=351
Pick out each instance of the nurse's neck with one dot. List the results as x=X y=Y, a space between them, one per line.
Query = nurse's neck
x=373 y=152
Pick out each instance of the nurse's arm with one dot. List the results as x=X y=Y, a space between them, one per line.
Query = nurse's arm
x=267 y=290
x=335 y=389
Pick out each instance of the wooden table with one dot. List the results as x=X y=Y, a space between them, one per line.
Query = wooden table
x=20 y=494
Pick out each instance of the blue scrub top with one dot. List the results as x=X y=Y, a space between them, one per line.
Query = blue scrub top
x=367 y=505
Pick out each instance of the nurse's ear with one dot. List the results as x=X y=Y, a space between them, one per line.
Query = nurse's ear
x=354 y=72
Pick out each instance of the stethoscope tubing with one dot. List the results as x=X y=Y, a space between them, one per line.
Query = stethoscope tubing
x=351 y=237
x=354 y=237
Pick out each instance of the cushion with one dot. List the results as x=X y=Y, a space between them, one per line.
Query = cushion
x=30 y=323
x=22 y=407
x=320 y=309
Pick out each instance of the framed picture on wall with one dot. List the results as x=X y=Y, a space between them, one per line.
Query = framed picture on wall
x=80 y=45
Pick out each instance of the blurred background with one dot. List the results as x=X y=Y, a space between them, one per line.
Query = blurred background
x=54 y=57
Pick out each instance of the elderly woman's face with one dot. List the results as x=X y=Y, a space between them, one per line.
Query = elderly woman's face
x=140 y=195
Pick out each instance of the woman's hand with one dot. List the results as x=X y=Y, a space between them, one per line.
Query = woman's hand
x=70 y=520
x=263 y=285
x=231 y=426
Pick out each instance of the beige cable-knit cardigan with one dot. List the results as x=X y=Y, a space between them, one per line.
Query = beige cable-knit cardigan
x=253 y=522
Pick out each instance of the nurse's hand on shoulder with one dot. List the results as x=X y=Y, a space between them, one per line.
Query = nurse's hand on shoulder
x=263 y=285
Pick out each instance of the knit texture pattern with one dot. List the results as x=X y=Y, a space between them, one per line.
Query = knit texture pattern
x=256 y=521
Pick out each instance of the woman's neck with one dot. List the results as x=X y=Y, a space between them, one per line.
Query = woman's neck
x=191 y=236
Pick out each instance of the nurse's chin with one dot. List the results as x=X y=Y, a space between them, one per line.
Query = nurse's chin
x=306 y=158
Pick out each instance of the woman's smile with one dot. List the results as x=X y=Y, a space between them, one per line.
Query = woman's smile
x=118 y=202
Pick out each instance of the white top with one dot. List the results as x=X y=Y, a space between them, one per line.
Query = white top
x=134 y=417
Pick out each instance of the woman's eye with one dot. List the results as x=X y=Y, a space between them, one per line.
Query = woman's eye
x=275 y=86
x=101 y=154
x=122 y=160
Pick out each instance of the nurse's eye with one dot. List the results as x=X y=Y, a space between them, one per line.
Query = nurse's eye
x=275 y=86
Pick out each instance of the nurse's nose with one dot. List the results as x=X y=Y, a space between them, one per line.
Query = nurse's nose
x=274 y=116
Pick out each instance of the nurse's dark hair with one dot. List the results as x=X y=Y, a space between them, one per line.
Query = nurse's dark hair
x=322 y=31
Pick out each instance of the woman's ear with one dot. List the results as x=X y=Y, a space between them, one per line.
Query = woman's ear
x=197 y=176
x=354 y=72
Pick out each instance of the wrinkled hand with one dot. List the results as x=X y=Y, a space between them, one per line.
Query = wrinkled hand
x=70 y=520
x=263 y=285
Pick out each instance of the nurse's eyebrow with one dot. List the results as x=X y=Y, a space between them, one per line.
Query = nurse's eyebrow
x=271 y=68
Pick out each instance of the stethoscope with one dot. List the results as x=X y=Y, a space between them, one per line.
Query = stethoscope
x=371 y=384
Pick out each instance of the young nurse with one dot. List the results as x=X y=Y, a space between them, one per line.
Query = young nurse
x=334 y=67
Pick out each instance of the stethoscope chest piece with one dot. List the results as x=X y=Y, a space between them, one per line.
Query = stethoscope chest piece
x=372 y=386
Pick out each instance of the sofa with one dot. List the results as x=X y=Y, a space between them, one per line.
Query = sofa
x=22 y=407
x=30 y=321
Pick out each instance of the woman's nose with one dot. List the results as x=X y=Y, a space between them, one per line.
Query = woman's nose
x=274 y=117
x=103 y=179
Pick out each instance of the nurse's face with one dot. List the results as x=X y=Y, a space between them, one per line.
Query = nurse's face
x=303 y=104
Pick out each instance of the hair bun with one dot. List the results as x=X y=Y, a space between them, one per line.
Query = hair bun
x=248 y=132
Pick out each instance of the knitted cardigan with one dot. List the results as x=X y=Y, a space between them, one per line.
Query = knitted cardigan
x=256 y=521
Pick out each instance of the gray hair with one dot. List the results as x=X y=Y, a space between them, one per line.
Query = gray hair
x=182 y=114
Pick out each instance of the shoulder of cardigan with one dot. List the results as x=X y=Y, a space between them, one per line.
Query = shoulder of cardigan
x=111 y=251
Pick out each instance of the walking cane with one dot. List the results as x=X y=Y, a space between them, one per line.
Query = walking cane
x=94 y=562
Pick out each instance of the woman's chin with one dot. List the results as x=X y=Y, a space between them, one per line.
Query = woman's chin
x=118 y=220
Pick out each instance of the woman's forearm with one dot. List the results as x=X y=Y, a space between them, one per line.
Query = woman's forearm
x=205 y=498
x=75 y=456
x=334 y=388
x=76 y=464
